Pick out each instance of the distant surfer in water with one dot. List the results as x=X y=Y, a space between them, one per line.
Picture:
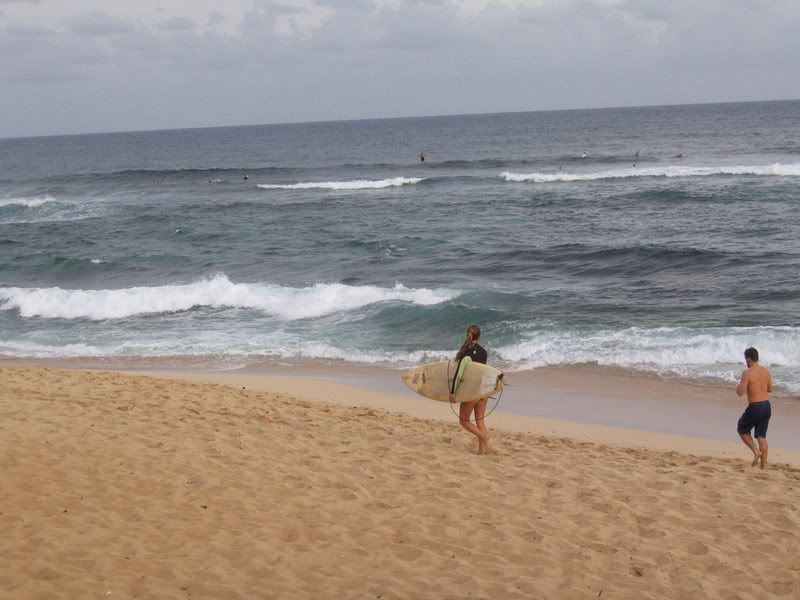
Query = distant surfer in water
x=473 y=350
x=422 y=157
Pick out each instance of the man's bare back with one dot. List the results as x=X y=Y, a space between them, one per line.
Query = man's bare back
x=757 y=382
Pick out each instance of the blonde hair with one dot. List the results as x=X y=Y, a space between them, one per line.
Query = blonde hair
x=472 y=336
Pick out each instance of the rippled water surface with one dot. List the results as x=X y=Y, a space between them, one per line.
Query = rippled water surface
x=662 y=239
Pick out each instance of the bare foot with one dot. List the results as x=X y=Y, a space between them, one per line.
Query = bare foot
x=763 y=460
x=486 y=446
x=756 y=460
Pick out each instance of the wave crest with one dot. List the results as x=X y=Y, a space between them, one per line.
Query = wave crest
x=682 y=351
x=773 y=170
x=28 y=202
x=355 y=184
x=218 y=292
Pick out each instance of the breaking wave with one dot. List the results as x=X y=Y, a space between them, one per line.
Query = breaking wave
x=681 y=351
x=30 y=202
x=355 y=184
x=286 y=303
x=773 y=170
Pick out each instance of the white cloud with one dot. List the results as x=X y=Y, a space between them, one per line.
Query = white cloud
x=177 y=24
x=142 y=13
x=98 y=23
x=202 y=62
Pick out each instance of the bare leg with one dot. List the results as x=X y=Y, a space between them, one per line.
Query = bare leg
x=764 y=448
x=464 y=414
x=748 y=441
x=480 y=421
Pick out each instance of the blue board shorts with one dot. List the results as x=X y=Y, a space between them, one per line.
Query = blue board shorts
x=756 y=415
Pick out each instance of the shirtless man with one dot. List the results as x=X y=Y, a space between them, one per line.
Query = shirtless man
x=757 y=382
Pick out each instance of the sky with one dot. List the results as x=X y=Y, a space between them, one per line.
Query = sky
x=111 y=65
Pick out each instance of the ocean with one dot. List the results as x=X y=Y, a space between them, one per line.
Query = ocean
x=661 y=239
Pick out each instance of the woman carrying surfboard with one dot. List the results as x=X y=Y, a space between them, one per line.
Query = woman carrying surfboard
x=472 y=351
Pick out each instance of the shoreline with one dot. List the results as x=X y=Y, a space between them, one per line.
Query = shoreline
x=587 y=394
x=347 y=394
x=598 y=405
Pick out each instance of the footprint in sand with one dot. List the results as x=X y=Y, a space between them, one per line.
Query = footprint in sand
x=697 y=548
x=651 y=534
x=780 y=588
x=661 y=485
x=531 y=535
x=602 y=548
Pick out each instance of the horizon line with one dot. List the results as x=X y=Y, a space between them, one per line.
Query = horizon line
x=391 y=118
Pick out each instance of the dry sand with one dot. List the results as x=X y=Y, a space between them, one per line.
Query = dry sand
x=127 y=486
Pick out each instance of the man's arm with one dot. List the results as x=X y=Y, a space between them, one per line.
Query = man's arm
x=742 y=387
x=769 y=382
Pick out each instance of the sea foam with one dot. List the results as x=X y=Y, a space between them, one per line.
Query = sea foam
x=218 y=292
x=26 y=348
x=773 y=170
x=682 y=351
x=355 y=184
x=28 y=202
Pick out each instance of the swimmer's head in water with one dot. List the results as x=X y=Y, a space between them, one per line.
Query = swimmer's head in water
x=752 y=354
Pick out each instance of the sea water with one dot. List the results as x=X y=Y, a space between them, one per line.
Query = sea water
x=662 y=239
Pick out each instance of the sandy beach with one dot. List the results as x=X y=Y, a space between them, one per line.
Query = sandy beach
x=131 y=486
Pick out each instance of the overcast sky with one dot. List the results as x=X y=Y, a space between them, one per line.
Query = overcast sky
x=111 y=65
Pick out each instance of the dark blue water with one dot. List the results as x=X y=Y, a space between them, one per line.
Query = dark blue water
x=546 y=228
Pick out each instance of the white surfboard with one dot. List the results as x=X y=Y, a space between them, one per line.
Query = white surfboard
x=434 y=381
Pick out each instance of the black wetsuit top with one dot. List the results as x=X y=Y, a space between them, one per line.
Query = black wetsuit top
x=478 y=354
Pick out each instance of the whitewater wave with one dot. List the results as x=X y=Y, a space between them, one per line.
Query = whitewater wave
x=325 y=351
x=677 y=352
x=245 y=348
x=773 y=170
x=48 y=209
x=682 y=351
x=712 y=353
x=286 y=303
x=31 y=349
x=355 y=184
x=28 y=202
